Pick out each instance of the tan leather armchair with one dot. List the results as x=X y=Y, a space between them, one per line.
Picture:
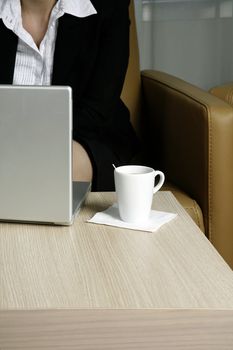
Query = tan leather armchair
x=187 y=133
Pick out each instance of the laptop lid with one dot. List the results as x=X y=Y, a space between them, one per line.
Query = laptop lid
x=36 y=154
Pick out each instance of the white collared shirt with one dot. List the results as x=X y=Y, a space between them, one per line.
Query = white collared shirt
x=33 y=65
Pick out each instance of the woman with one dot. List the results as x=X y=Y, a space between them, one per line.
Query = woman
x=83 y=44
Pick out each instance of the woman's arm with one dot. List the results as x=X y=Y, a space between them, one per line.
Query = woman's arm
x=100 y=103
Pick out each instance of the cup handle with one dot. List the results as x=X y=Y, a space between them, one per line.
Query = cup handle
x=161 y=181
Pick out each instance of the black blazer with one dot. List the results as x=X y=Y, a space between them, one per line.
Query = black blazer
x=91 y=56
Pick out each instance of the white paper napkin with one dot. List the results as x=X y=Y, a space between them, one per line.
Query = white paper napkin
x=111 y=217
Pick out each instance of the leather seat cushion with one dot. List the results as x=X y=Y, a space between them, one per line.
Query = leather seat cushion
x=189 y=204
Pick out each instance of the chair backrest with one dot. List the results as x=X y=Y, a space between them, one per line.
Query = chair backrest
x=131 y=93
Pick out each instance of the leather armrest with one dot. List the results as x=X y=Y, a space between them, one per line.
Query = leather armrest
x=224 y=92
x=192 y=131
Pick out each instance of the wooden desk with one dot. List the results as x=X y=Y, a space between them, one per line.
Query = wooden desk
x=97 y=287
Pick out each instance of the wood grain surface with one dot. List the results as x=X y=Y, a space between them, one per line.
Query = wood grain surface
x=95 y=287
x=95 y=266
x=116 y=330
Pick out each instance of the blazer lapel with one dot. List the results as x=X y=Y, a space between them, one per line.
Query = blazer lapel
x=9 y=43
x=72 y=43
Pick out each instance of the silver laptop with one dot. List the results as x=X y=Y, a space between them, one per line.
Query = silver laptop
x=36 y=156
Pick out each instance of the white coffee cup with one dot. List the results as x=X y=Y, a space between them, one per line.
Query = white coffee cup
x=134 y=189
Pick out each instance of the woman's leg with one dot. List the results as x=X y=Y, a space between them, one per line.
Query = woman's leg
x=82 y=167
